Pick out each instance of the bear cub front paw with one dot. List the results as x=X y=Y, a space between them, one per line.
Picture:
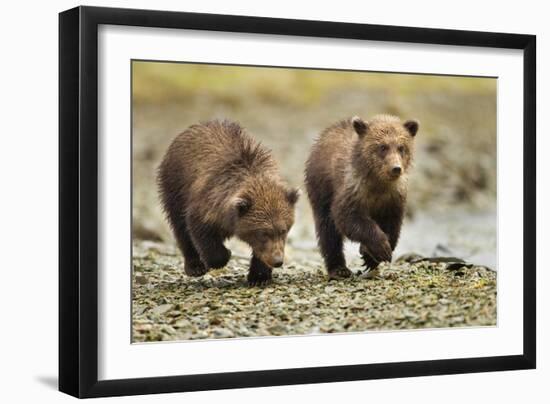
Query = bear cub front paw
x=339 y=273
x=194 y=268
x=259 y=275
x=377 y=247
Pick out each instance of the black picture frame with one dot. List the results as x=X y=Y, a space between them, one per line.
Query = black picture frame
x=78 y=201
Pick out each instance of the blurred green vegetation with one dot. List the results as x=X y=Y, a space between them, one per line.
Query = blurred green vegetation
x=160 y=82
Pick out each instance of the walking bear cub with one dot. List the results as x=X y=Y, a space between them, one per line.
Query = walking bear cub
x=356 y=180
x=216 y=182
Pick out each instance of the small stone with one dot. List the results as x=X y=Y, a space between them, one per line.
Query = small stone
x=457 y=319
x=142 y=327
x=222 y=333
x=182 y=323
x=163 y=308
x=372 y=274
x=140 y=279
x=330 y=289
x=277 y=329
x=166 y=329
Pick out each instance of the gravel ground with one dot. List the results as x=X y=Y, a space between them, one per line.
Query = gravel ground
x=168 y=305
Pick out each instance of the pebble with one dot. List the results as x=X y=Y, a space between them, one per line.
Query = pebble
x=163 y=308
x=142 y=280
x=222 y=333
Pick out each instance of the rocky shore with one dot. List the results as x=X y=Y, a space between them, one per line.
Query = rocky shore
x=168 y=305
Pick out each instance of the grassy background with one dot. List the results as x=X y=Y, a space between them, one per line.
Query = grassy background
x=178 y=82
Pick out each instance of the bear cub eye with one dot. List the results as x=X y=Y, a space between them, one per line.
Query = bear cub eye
x=264 y=235
x=401 y=149
x=383 y=148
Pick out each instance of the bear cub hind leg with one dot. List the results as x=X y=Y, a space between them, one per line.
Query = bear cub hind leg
x=192 y=265
x=332 y=245
x=208 y=243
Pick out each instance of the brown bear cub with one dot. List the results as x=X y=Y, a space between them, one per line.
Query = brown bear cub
x=356 y=180
x=216 y=182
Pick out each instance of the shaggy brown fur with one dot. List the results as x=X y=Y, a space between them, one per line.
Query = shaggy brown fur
x=216 y=182
x=356 y=180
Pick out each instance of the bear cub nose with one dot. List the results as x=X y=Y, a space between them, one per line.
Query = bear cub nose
x=396 y=170
x=277 y=261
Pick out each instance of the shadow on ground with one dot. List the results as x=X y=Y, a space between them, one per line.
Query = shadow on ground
x=48 y=381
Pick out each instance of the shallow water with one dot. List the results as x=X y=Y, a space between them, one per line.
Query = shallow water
x=457 y=233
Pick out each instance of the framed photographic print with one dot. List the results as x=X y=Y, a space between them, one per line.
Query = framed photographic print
x=250 y=201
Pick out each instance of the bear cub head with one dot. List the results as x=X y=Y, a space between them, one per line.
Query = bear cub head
x=265 y=214
x=385 y=147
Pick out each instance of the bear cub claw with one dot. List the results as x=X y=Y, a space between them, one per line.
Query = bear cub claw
x=368 y=262
x=194 y=268
x=260 y=277
x=378 y=248
x=340 y=273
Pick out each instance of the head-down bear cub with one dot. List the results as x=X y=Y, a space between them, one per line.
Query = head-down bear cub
x=356 y=180
x=216 y=182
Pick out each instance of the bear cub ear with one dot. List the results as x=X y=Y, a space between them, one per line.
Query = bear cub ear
x=293 y=195
x=412 y=126
x=242 y=204
x=359 y=125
